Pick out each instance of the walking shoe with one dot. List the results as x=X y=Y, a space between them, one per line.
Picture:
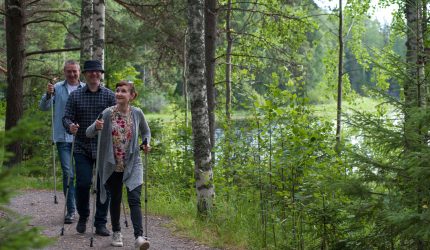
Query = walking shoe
x=117 y=239
x=102 y=231
x=69 y=218
x=141 y=243
x=81 y=227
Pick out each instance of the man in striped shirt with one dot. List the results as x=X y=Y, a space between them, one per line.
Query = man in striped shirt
x=82 y=109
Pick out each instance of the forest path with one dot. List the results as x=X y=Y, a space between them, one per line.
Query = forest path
x=39 y=205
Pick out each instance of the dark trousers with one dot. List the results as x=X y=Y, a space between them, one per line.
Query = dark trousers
x=114 y=185
x=84 y=175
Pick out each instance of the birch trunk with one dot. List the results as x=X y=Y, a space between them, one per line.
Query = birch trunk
x=15 y=53
x=199 y=107
x=99 y=31
x=86 y=30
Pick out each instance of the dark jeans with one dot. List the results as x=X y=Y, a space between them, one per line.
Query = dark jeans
x=64 y=151
x=84 y=174
x=114 y=185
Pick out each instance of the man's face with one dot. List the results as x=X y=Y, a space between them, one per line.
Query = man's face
x=93 y=77
x=72 y=72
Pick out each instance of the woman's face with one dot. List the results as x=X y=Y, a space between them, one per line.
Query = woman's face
x=123 y=94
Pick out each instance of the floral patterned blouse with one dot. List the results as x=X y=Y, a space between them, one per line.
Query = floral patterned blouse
x=122 y=127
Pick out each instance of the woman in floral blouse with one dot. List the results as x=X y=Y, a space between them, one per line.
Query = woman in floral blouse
x=120 y=160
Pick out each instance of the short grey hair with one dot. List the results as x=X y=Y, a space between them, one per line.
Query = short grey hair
x=72 y=62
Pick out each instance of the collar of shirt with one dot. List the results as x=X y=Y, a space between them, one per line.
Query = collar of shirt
x=86 y=89
x=65 y=84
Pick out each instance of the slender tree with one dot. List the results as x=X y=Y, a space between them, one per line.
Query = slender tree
x=184 y=76
x=210 y=48
x=199 y=107
x=228 y=62
x=339 y=82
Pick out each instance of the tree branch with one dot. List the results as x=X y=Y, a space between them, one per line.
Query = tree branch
x=2 y=69
x=33 y=2
x=123 y=3
x=58 y=11
x=50 y=51
x=41 y=20
x=260 y=57
x=54 y=21
x=127 y=7
x=38 y=76
x=268 y=13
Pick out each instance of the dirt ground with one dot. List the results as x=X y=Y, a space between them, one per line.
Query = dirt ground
x=39 y=205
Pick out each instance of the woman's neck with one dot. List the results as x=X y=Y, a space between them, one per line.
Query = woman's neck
x=122 y=108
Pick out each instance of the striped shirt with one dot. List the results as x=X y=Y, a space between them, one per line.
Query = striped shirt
x=83 y=108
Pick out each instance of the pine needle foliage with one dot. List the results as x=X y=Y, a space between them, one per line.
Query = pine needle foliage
x=15 y=232
x=389 y=174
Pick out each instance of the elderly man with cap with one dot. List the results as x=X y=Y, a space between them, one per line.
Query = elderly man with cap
x=82 y=109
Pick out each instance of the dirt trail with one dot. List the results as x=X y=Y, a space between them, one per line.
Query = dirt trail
x=39 y=205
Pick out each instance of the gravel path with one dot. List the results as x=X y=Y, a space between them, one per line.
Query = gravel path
x=39 y=205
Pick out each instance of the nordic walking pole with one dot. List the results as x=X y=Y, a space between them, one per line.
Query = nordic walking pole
x=53 y=149
x=125 y=213
x=68 y=183
x=145 y=143
x=95 y=181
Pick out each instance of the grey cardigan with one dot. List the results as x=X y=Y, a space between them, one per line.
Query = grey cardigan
x=133 y=173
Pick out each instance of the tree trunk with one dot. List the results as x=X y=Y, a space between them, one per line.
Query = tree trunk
x=339 y=82
x=15 y=53
x=99 y=31
x=184 y=76
x=210 y=42
x=414 y=89
x=415 y=92
x=86 y=30
x=228 y=63
x=199 y=107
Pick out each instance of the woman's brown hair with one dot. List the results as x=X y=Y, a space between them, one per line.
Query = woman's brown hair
x=129 y=84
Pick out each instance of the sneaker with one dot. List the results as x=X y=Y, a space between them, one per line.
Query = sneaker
x=117 y=239
x=69 y=218
x=102 y=231
x=81 y=227
x=141 y=243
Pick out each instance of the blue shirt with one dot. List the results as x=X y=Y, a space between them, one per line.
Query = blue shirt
x=59 y=99
x=83 y=107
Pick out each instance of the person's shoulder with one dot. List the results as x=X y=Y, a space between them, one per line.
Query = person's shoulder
x=108 y=110
x=136 y=109
x=107 y=90
x=59 y=84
